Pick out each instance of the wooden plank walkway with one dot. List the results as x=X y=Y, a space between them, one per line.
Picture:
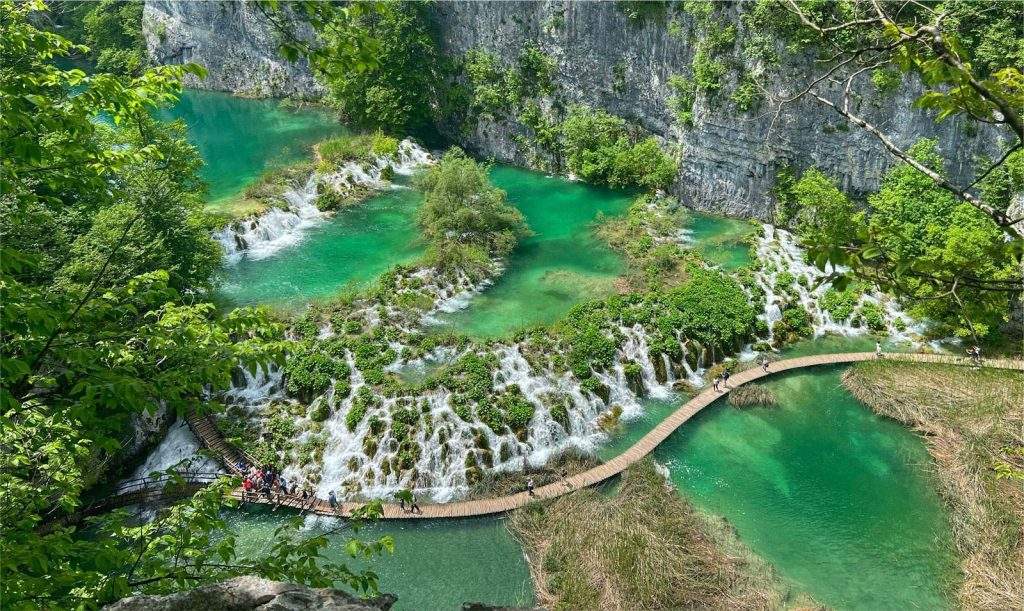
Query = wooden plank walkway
x=208 y=434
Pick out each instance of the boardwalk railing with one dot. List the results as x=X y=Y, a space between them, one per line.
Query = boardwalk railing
x=208 y=434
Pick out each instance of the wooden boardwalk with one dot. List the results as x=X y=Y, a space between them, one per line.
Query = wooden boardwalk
x=208 y=434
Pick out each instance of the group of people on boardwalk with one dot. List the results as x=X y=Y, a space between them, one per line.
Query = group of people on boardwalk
x=268 y=483
x=721 y=381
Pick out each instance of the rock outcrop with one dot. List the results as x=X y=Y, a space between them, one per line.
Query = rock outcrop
x=605 y=59
x=234 y=41
x=248 y=593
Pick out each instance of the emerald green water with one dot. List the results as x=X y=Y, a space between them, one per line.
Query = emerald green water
x=240 y=138
x=562 y=264
x=348 y=250
x=836 y=498
x=437 y=564
x=721 y=240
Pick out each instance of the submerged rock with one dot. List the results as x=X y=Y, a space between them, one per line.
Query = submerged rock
x=248 y=592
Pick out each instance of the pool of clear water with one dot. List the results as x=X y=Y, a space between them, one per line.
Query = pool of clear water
x=347 y=251
x=437 y=564
x=240 y=138
x=839 y=500
x=563 y=263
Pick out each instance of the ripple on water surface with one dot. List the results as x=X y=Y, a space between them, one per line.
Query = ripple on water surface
x=838 y=499
x=436 y=564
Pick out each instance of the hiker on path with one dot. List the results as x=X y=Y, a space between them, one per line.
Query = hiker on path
x=246 y=489
x=878 y=350
x=529 y=486
x=718 y=380
x=725 y=378
x=764 y=364
x=333 y=501
x=975 y=354
x=415 y=508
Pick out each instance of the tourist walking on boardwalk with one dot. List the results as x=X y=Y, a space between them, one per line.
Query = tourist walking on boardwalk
x=332 y=501
x=415 y=507
x=725 y=378
x=878 y=350
x=246 y=489
x=717 y=381
x=529 y=486
x=764 y=364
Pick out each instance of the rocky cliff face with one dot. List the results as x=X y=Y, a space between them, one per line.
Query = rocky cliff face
x=233 y=40
x=252 y=593
x=729 y=159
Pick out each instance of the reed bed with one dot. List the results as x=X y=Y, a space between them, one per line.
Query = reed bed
x=643 y=547
x=751 y=395
x=973 y=424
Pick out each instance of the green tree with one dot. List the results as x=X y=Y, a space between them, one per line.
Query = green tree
x=398 y=93
x=599 y=148
x=466 y=220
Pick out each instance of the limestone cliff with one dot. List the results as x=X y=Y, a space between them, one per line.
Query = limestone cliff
x=252 y=593
x=233 y=40
x=607 y=60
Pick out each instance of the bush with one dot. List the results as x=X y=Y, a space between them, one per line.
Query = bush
x=310 y=369
x=462 y=209
x=684 y=95
x=363 y=148
x=598 y=148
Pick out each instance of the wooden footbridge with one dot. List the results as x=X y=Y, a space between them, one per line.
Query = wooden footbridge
x=207 y=432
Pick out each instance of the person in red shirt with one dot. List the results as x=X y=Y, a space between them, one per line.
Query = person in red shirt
x=246 y=488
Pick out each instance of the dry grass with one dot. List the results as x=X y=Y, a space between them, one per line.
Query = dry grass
x=971 y=420
x=642 y=548
x=750 y=395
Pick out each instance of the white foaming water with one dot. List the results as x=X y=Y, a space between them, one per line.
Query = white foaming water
x=179 y=450
x=261 y=237
x=258 y=388
x=779 y=252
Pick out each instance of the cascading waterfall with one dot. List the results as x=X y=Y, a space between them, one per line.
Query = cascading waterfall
x=179 y=450
x=262 y=236
x=778 y=252
x=254 y=389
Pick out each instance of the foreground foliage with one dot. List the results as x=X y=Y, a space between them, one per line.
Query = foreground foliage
x=972 y=423
x=104 y=255
x=947 y=259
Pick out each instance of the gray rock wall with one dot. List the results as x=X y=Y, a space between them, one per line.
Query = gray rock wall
x=252 y=593
x=729 y=159
x=235 y=43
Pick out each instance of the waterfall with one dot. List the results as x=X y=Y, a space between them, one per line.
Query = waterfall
x=260 y=237
x=180 y=450
x=256 y=389
x=266 y=234
x=779 y=252
x=635 y=349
